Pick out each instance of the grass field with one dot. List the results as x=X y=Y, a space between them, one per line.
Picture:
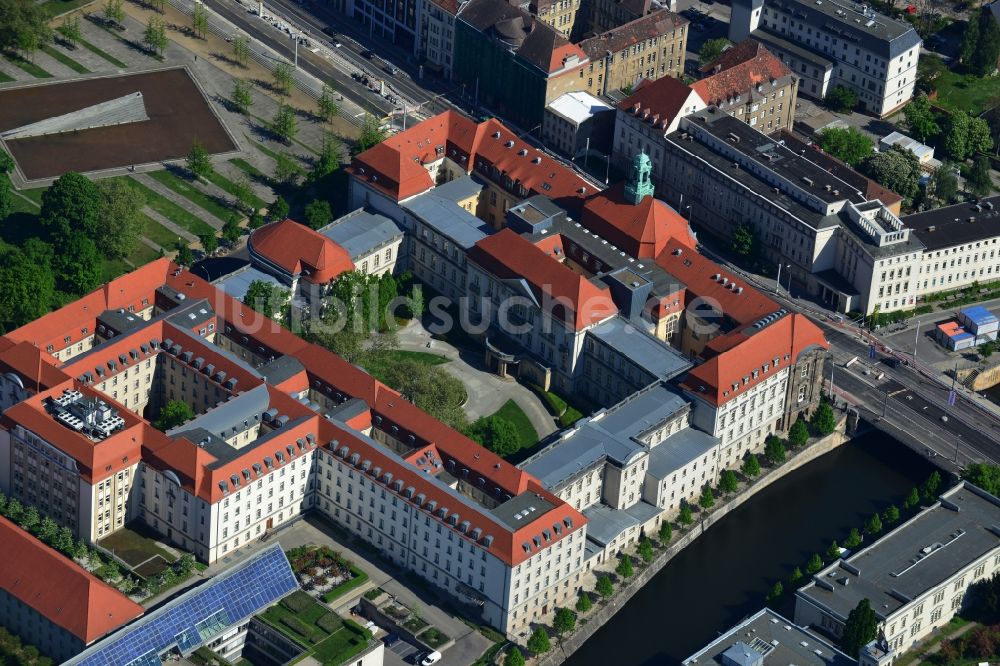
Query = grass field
x=142 y=254
x=170 y=210
x=229 y=187
x=188 y=190
x=102 y=53
x=57 y=7
x=65 y=59
x=6 y=79
x=965 y=92
x=247 y=168
x=158 y=233
x=27 y=66
x=526 y=435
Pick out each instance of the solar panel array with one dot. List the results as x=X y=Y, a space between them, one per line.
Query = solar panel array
x=199 y=615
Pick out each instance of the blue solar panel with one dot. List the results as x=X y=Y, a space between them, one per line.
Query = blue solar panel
x=199 y=614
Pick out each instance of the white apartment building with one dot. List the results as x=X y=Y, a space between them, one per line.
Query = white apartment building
x=836 y=43
x=436 y=40
x=916 y=576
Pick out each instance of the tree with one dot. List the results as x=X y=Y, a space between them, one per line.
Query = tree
x=981 y=43
x=666 y=532
x=890 y=515
x=798 y=434
x=980 y=180
x=514 y=657
x=685 y=517
x=814 y=564
x=980 y=136
x=70 y=30
x=751 y=466
x=956 y=135
x=565 y=620
x=848 y=144
x=173 y=414
x=318 y=213
x=853 y=539
x=243 y=193
x=241 y=50
x=29 y=520
x=497 y=434
x=198 y=161
x=6 y=196
x=841 y=99
x=646 y=550
x=728 y=483
x=77 y=263
x=14 y=510
x=27 y=283
x=774 y=451
x=209 y=242
x=121 y=217
x=986 y=349
x=944 y=183
x=266 y=297
x=231 y=230
x=860 y=629
x=823 y=420
x=242 y=96
x=711 y=50
x=970 y=38
x=624 y=568
x=114 y=12
x=604 y=586
x=833 y=552
x=328 y=160
x=931 y=486
x=984 y=476
x=256 y=221
x=184 y=255
x=199 y=21
x=796 y=575
x=371 y=133
x=278 y=210
x=538 y=642
x=776 y=592
x=873 y=525
x=283 y=125
x=71 y=204
x=895 y=169
x=327 y=105
x=286 y=170
x=584 y=604
x=23 y=26
x=744 y=240
x=282 y=75
x=920 y=118
x=155 y=35
x=707 y=499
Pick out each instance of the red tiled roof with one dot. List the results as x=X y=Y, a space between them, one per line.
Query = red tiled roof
x=739 y=70
x=565 y=294
x=35 y=368
x=658 y=101
x=639 y=30
x=642 y=229
x=299 y=250
x=395 y=167
x=59 y=589
x=785 y=339
x=742 y=304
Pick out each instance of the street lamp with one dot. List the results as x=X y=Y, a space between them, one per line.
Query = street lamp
x=777 y=281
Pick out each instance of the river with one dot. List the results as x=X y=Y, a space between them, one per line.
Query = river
x=725 y=574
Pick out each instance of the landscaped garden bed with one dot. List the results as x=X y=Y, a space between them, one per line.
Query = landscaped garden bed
x=324 y=573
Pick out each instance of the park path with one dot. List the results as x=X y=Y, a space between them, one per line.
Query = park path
x=487 y=392
x=180 y=200
x=180 y=231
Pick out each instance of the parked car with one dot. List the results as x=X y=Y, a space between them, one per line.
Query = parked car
x=392 y=71
x=431 y=658
x=391 y=640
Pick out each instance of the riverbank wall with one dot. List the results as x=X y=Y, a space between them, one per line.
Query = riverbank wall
x=604 y=611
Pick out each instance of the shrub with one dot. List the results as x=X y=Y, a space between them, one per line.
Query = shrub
x=297 y=625
x=329 y=622
x=359 y=577
x=297 y=602
x=373 y=593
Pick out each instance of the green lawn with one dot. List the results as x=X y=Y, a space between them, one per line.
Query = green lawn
x=35 y=194
x=247 y=168
x=170 y=210
x=104 y=54
x=227 y=185
x=274 y=156
x=134 y=548
x=57 y=7
x=65 y=59
x=526 y=435
x=142 y=254
x=6 y=79
x=965 y=92
x=334 y=644
x=19 y=205
x=27 y=66
x=158 y=233
x=186 y=189
x=424 y=358
x=340 y=646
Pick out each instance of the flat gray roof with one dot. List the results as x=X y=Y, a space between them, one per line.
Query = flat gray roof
x=228 y=419
x=361 y=233
x=647 y=352
x=448 y=218
x=678 y=450
x=236 y=284
x=778 y=640
x=605 y=523
x=459 y=189
x=950 y=226
x=962 y=527
x=280 y=369
x=642 y=411
x=876 y=32
x=522 y=509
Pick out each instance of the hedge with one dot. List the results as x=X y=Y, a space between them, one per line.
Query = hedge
x=357 y=628
x=297 y=601
x=298 y=626
x=329 y=622
x=359 y=578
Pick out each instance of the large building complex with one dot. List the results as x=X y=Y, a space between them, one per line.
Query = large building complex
x=834 y=43
x=916 y=576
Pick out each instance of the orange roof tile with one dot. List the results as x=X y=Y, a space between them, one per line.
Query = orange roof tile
x=658 y=101
x=565 y=294
x=642 y=230
x=59 y=589
x=738 y=71
x=299 y=250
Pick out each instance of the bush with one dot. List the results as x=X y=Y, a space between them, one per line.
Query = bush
x=434 y=637
x=359 y=577
x=297 y=625
x=329 y=622
x=373 y=593
x=297 y=602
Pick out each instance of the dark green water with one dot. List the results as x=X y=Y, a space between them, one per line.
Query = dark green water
x=725 y=574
